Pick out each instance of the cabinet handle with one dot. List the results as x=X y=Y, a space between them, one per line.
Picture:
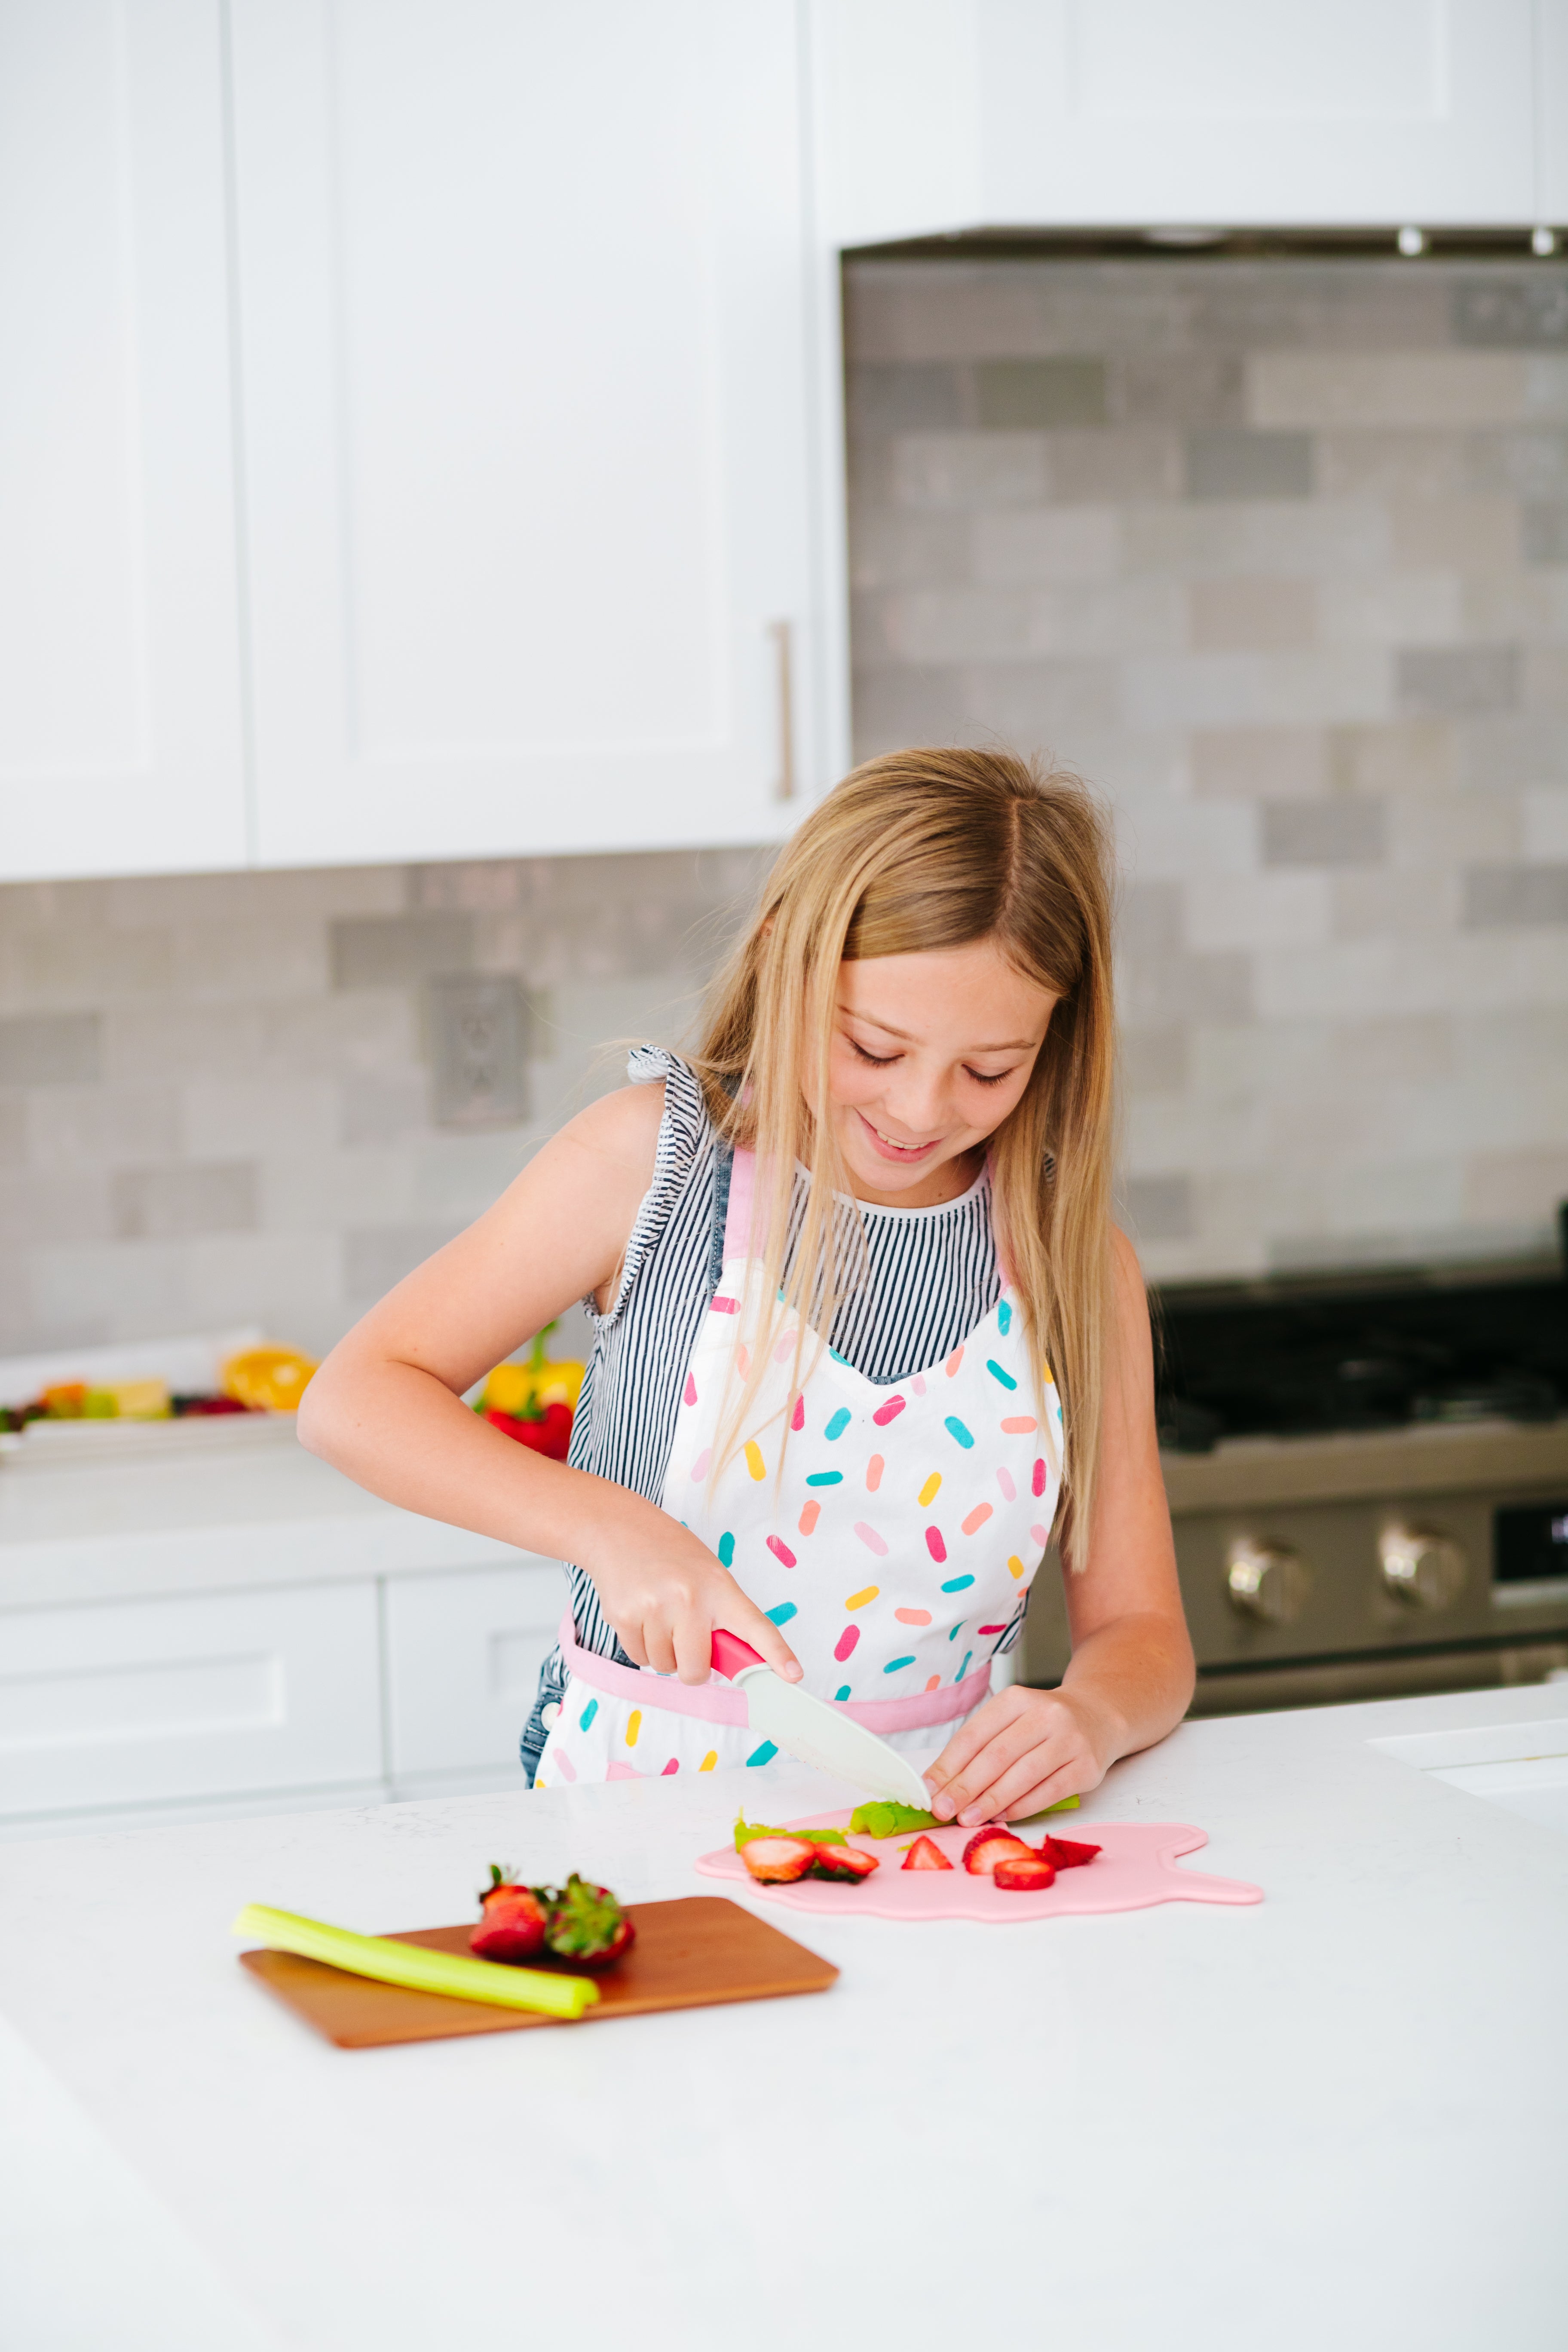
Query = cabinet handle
x=782 y=634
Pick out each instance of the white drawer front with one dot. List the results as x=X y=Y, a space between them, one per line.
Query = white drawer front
x=135 y=1702
x=463 y=1659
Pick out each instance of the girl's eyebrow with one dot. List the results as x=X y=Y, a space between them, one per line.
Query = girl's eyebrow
x=1013 y=1045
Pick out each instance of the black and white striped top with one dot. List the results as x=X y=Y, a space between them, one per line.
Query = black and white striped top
x=930 y=1276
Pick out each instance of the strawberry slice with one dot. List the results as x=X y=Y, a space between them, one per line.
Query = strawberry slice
x=1024 y=1873
x=777 y=1859
x=845 y=1862
x=1066 y=1853
x=925 y=1854
x=987 y=1846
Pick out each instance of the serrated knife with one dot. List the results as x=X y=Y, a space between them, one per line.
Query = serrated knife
x=812 y=1729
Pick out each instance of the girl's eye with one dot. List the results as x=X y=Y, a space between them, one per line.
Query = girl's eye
x=987 y=1077
x=877 y=1062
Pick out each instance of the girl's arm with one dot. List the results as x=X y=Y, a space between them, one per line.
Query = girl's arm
x=386 y=1406
x=1131 y=1678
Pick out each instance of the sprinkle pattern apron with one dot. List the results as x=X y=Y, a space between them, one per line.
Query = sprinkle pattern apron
x=895 y=1546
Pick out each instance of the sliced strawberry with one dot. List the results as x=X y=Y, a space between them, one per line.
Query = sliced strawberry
x=1066 y=1854
x=511 y=1921
x=776 y=1859
x=925 y=1854
x=986 y=1848
x=1024 y=1873
x=848 y=1862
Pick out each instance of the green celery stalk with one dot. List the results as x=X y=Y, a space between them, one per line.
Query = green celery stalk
x=416 y=1966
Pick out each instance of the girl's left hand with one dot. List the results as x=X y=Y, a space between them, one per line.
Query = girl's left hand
x=1023 y=1750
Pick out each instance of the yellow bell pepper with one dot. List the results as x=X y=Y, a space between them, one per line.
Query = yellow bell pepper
x=524 y=1390
x=267 y=1380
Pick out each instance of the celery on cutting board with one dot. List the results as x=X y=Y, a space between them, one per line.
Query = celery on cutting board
x=416 y=1967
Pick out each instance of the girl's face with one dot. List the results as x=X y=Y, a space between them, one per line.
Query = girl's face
x=929 y=1054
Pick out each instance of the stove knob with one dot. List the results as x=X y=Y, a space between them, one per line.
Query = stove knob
x=1267 y=1581
x=1427 y=1570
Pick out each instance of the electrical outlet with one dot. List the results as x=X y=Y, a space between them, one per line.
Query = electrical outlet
x=479 y=1040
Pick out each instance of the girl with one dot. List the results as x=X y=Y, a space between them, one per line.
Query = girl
x=863 y=1327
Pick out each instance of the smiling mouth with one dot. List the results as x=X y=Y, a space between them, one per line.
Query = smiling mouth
x=889 y=1146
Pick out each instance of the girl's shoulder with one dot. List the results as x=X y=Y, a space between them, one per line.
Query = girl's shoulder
x=658 y=1129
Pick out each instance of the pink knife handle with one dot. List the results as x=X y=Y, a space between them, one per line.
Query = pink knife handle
x=729 y=1654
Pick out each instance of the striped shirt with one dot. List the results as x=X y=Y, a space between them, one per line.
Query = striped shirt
x=930 y=1275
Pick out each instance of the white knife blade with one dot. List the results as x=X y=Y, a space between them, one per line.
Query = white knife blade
x=814 y=1731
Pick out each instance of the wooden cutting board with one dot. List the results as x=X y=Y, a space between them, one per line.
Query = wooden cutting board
x=689 y=1954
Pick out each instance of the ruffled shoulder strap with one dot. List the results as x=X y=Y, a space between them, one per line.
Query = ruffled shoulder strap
x=686 y=1144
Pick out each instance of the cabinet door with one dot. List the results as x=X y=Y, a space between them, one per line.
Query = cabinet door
x=463 y=1654
x=146 y=1701
x=524 y=299
x=1230 y=113
x=120 y=707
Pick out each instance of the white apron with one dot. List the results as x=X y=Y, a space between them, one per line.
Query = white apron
x=895 y=1546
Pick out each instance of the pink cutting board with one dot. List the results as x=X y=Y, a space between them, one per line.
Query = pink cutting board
x=1136 y=1867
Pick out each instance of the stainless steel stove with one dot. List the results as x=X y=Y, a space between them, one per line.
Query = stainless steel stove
x=1368 y=1483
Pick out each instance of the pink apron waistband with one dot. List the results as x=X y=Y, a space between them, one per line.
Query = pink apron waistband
x=717 y=1701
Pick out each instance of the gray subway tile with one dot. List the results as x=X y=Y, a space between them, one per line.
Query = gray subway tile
x=1156 y=1061
x=898 y=707
x=1339 y=831
x=379 y=1106
x=1501 y=754
x=1023 y=395
x=1530 y=462
x=1159 y=1208
x=1544 y=529
x=50 y=1049
x=1150 y=919
x=1513 y=898
x=390 y=951
x=1253 y=616
x=1113 y=468
x=1178 y=388
x=375 y=1257
x=1190 y=988
x=884 y=398
x=37 y=1208
x=177 y=1203
x=1501 y=312
x=1259 y=762
x=1452 y=681
x=1226 y=462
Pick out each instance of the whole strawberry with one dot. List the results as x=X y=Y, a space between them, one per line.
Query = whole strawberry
x=584 y=1924
x=512 y=1920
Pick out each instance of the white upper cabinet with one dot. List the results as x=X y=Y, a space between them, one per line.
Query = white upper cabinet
x=120 y=743
x=1224 y=113
x=524 y=296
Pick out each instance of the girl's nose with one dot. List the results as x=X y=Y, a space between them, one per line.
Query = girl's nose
x=918 y=1103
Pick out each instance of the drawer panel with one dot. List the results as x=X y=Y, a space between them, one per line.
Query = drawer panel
x=141 y=1702
x=463 y=1657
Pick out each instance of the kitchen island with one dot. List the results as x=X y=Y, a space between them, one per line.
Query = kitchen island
x=1334 y=2117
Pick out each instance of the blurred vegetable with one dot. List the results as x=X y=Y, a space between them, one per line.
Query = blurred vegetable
x=533 y=1402
x=267 y=1380
x=518 y=1389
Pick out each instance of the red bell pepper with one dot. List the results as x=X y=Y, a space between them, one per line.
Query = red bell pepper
x=548 y=1432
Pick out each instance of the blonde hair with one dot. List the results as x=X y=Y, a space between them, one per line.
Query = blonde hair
x=915 y=851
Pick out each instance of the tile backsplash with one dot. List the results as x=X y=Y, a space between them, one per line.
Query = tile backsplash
x=1276 y=554
x=218 y=1098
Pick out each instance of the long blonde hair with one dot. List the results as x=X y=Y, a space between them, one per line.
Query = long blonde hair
x=915 y=851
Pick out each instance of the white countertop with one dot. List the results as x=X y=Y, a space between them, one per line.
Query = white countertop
x=1334 y=2117
x=243 y=1505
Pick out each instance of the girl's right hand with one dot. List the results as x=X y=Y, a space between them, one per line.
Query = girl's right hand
x=665 y=1592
